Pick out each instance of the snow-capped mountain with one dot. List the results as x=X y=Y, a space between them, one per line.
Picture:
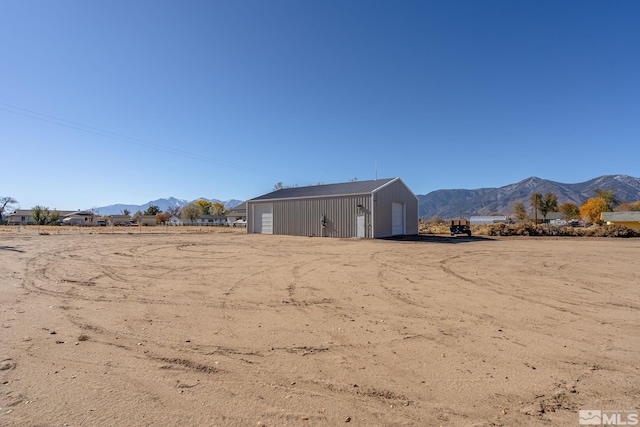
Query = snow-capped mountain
x=485 y=201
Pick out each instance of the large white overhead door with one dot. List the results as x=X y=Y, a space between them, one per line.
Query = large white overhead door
x=263 y=218
x=397 y=219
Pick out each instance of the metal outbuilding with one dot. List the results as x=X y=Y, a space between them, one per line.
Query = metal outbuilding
x=370 y=209
x=486 y=219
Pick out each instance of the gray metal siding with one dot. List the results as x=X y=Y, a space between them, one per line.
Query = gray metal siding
x=396 y=191
x=303 y=217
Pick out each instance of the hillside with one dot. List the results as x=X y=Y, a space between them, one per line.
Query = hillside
x=485 y=201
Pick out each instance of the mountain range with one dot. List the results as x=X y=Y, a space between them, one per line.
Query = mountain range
x=163 y=204
x=448 y=204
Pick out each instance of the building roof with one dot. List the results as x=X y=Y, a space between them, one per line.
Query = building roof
x=341 y=189
x=211 y=217
x=78 y=214
x=20 y=212
x=486 y=219
x=27 y=212
x=631 y=216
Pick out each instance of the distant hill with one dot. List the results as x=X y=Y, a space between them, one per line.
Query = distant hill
x=163 y=204
x=449 y=204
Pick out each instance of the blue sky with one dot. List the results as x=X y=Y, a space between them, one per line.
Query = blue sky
x=108 y=102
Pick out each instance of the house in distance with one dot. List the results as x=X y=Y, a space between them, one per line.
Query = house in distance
x=369 y=209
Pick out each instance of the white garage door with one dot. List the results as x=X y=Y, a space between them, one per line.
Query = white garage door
x=397 y=219
x=263 y=219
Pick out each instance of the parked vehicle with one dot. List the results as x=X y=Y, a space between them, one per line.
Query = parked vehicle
x=460 y=226
x=239 y=223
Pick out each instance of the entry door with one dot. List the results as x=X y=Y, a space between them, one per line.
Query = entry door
x=397 y=219
x=360 y=226
x=263 y=219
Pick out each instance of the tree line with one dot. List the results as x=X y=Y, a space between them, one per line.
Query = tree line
x=190 y=212
x=590 y=210
x=42 y=215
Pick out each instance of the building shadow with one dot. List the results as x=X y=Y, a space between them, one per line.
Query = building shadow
x=431 y=238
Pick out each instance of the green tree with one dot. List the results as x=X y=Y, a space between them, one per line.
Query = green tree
x=43 y=216
x=545 y=204
x=40 y=214
x=519 y=211
x=6 y=204
x=152 y=210
x=190 y=212
x=570 y=210
x=54 y=217
x=126 y=212
x=136 y=216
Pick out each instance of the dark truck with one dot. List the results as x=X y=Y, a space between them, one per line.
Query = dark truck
x=460 y=226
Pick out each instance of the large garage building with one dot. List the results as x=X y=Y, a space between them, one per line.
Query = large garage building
x=370 y=209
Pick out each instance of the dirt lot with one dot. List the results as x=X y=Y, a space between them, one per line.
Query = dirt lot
x=217 y=327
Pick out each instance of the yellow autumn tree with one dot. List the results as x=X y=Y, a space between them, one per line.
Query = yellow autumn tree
x=205 y=206
x=592 y=208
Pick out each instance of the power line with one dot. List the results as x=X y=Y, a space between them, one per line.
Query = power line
x=135 y=141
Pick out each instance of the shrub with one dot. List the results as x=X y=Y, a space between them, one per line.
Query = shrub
x=529 y=229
